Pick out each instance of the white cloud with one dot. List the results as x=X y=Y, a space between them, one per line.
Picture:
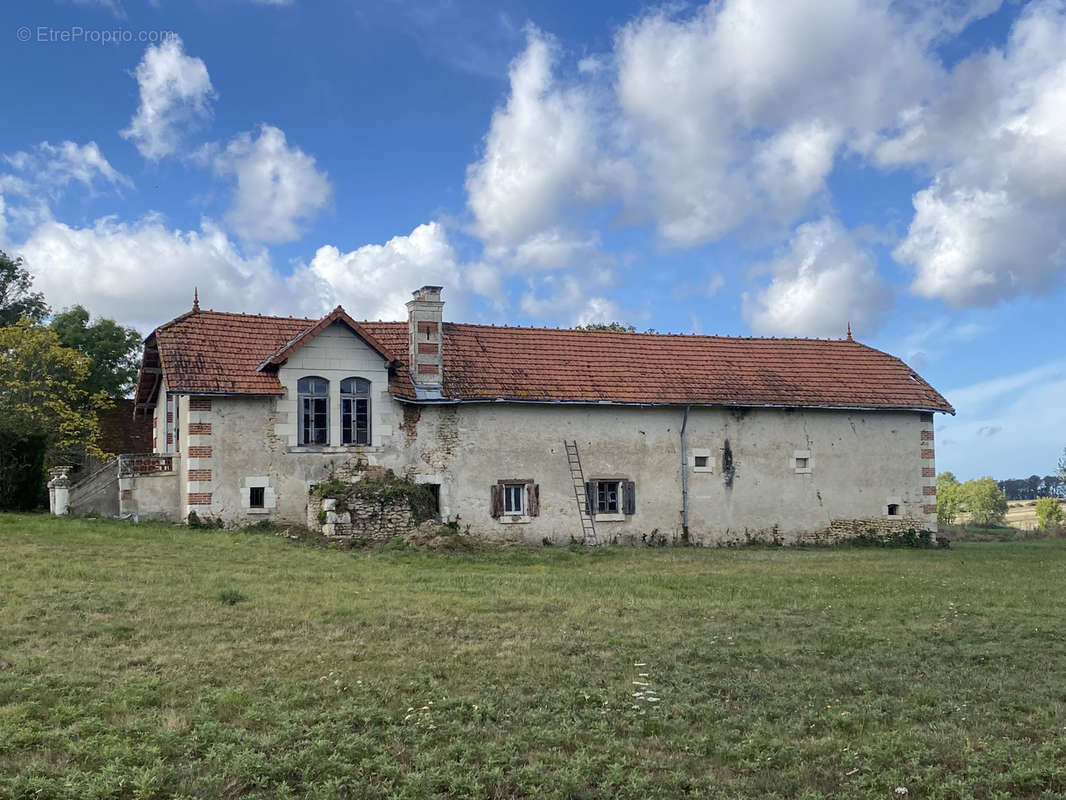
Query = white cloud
x=540 y=152
x=50 y=168
x=824 y=281
x=378 y=279
x=566 y=298
x=992 y=224
x=279 y=188
x=176 y=94
x=143 y=273
x=737 y=112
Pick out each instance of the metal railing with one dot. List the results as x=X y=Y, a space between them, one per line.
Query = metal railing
x=144 y=463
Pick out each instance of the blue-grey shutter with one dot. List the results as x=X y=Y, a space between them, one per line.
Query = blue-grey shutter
x=629 y=498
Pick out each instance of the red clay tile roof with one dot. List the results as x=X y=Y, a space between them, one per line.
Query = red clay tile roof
x=210 y=352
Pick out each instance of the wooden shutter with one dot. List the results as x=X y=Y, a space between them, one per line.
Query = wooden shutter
x=496 y=500
x=532 y=499
x=590 y=498
x=629 y=497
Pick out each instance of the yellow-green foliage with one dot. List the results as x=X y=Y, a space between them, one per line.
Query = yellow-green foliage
x=948 y=498
x=985 y=501
x=1048 y=513
x=41 y=390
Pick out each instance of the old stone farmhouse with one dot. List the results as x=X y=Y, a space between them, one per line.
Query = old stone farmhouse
x=530 y=433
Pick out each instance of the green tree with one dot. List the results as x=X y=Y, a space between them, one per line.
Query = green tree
x=42 y=392
x=1049 y=513
x=112 y=349
x=17 y=300
x=948 y=498
x=613 y=327
x=985 y=502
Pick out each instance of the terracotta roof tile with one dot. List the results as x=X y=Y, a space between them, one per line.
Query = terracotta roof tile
x=211 y=352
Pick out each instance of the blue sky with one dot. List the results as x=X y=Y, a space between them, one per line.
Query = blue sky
x=740 y=168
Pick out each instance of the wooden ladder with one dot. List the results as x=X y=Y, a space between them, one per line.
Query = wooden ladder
x=588 y=525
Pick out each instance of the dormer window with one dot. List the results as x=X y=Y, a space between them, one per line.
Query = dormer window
x=314 y=410
x=355 y=411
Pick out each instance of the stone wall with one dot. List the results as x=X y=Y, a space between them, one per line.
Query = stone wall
x=354 y=517
x=878 y=527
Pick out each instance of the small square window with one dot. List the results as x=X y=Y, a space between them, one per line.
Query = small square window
x=893 y=510
x=702 y=461
x=256 y=497
x=801 y=463
x=514 y=495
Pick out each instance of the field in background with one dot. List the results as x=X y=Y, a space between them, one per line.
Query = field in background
x=155 y=661
x=1022 y=514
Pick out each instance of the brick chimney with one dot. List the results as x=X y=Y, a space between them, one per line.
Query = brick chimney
x=425 y=338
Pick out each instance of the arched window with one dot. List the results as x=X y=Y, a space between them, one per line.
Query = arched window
x=314 y=410
x=355 y=411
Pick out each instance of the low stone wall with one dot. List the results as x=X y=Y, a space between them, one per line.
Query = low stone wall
x=357 y=518
x=840 y=530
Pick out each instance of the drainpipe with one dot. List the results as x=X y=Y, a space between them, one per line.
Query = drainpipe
x=684 y=475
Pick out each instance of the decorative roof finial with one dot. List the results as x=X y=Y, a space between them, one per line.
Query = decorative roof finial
x=195 y=299
x=849 y=331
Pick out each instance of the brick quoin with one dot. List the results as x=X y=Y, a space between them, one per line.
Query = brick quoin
x=204 y=499
x=126 y=494
x=199 y=404
x=199 y=474
x=927 y=472
x=426 y=368
x=170 y=438
x=199 y=428
x=927 y=436
x=428 y=348
x=170 y=416
x=427 y=327
x=926 y=490
x=929 y=509
x=203 y=451
x=927 y=453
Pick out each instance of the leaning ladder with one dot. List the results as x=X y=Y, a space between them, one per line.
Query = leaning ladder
x=588 y=525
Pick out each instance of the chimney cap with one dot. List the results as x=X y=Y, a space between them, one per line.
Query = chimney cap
x=431 y=291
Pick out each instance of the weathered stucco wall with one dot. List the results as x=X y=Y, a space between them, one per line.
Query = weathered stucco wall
x=859 y=463
x=752 y=487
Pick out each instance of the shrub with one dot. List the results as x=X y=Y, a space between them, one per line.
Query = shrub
x=230 y=597
x=1049 y=513
x=985 y=501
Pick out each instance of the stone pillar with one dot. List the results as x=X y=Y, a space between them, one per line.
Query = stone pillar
x=59 y=490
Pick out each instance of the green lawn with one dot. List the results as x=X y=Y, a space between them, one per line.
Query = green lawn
x=777 y=672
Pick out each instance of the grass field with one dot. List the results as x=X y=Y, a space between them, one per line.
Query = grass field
x=154 y=661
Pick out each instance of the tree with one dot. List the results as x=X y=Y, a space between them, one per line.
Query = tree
x=985 y=502
x=112 y=350
x=16 y=298
x=1062 y=465
x=1048 y=513
x=42 y=392
x=614 y=327
x=948 y=498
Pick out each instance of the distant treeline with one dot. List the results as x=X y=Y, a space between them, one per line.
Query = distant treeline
x=1033 y=487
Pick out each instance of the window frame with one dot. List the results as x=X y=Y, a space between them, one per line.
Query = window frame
x=304 y=397
x=262 y=497
x=601 y=495
x=512 y=492
x=529 y=492
x=350 y=401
